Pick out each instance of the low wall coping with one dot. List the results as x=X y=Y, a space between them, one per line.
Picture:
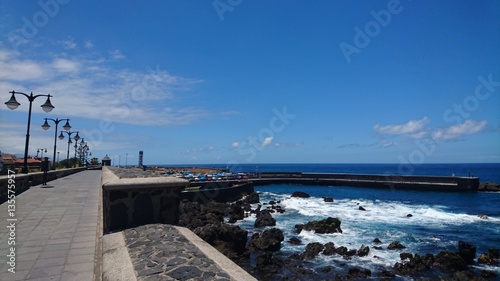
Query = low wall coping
x=112 y=182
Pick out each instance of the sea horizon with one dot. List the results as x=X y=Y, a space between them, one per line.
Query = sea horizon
x=487 y=172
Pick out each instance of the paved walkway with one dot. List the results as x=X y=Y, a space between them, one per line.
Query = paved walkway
x=55 y=231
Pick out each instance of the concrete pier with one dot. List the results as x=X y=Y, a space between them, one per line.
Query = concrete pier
x=428 y=183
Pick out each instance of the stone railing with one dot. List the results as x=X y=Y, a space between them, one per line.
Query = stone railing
x=23 y=182
x=129 y=202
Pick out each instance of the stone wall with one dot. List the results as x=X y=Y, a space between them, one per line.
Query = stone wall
x=129 y=202
x=24 y=181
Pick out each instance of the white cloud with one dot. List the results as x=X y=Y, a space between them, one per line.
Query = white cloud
x=413 y=128
x=267 y=141
x=88 y=45
x=90 y=88
x=469 y=127
x=199 y=150
x=65 y=65
x=285 y=144
x=14 y=69
x=69 y=44
x=235 y=145
x=116 y=54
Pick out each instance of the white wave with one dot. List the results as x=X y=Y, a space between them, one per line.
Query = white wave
x=388 y=212
x=425 y=230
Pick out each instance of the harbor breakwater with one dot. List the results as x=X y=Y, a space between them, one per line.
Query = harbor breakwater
x=428 y=183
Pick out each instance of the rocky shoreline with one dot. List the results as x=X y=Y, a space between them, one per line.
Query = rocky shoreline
x=489 y=186
x=259 y=252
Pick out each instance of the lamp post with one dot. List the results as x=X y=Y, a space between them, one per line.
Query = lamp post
x=76 y=138
x=82 y=142
x=13 y=104
x=42 y=150
x=46 y=126
x=83 y=151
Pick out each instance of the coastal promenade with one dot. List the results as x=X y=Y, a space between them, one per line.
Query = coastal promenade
x=54 y=232
x=54 y=228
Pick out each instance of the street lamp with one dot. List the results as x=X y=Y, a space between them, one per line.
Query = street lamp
x=42 y=150
x=76 y=138
x=46 y=126
x=82 y=143
x=83 y=151
x=13 y=104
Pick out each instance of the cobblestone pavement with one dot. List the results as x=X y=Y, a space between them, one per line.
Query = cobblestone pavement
x=55 y=230
x=161 y=252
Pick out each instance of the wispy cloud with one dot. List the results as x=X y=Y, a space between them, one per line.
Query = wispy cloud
x=88 y=45
x=69 y=44
x=200 y=150
x=349 y=145
x=288 y=144
x=90 y=88
x=468 y=127
x=267 y=141
x=413 y=129
x=116 y=54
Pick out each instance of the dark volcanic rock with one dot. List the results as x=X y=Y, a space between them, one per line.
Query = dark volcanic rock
x=329 y=249
x=376 y=240
x=194 y=214
x=491 y=257
x=351 y=252
x=329 y=225
x=341 y=250
x=300 y=194
x=356 y=272
x=299 y=227
x=252 y=198
x=268 y=265
x=450 y=261
x=312 y=250
x=467 y=251
x=230 y=240
x=363 y=251
x=294 y=241
x=327 y=199
x=361 y=208
x=269 y=240
x=395 y=245
x=489 y=186
x=415 y=265
x=236 y=212
x=264 y=218
x=405 y=256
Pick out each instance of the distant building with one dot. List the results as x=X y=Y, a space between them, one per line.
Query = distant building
x=106 y=161
x=141 y=154
x=12 y=161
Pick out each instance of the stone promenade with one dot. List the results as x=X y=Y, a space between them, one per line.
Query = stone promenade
x=55 y=231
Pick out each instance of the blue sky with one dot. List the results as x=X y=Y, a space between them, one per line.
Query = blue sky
x=198 y=82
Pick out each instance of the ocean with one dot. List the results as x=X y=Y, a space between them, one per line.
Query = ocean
x=439 y=219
